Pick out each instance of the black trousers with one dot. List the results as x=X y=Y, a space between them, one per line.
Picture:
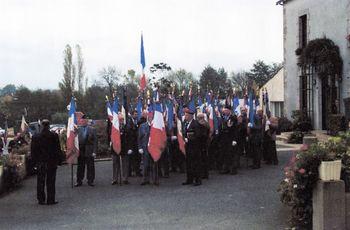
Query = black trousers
x=256 y=151
x=135 y=161
x=90 y=168
x=193 y=166
x=46 y=176
x=205 y=163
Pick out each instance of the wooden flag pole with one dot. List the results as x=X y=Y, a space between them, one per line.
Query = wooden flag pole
x=72 y=176
x=120 y=169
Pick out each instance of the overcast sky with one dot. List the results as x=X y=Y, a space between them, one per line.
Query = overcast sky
x=187 y=34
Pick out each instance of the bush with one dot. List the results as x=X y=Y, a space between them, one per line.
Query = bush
x=301 y=121
x=284 y=125
x=301 y=176
x=336 y=123
x=296 y=138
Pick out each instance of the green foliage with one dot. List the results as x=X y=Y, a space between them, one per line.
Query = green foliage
x=301 y=121
x=296 y=137
x=215 y=80
x=59 y=118
x=8 y=90
x=301 y=176
x=67 y=84
x=262 y=72
x=323 y=54
x=336 y=123
x=284 y=125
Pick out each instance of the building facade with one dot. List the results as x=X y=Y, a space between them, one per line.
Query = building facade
x=275 y=89
x=305 y=88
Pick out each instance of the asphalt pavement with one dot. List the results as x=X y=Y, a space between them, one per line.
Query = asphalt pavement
x=248 y=200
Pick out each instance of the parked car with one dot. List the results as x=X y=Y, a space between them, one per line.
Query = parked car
x=57 y=127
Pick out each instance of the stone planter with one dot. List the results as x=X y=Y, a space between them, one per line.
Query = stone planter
x=330 y=170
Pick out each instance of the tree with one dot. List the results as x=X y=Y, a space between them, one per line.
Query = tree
x=181 y=78
x=67 y=84
x=211 y=79
x=8 y=90
x=262 y=73
x=80 y=68
x=110 y=77
x=240 y=81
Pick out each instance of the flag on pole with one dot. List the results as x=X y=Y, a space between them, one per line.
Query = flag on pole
x=180 y=138
x=157 y=137
x=236 y=106
x=109 y=111
x=24 y=125
x=143 y=81
x=115 y=132
x=251 y=109
x=72 y=135
x=170 y=115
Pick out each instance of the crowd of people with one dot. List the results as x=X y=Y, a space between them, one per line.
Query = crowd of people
x=205 y=149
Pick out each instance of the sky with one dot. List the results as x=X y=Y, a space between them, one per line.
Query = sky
x=189 y=34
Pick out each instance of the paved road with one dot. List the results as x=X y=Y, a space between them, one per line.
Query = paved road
x=245 y=201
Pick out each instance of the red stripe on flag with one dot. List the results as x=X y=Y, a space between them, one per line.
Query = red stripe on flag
x=143 y=82
x=157 y=143
x=115 y=137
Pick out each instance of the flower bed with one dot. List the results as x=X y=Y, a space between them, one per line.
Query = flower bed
x=302 y=173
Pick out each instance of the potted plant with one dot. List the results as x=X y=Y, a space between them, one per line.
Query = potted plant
x=331 y=165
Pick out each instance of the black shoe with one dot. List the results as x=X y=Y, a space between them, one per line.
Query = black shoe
x=78 y=184
x=91 y=184
x=156 y=183
x=125 y=182
x=205 y=177
x=224 y=172
x=166 y=176
x=268 y=162
x=197 y=183
x=145 y=183
x=114 y=182
x=41 y=202
x=233 y=172
x=186 y=183
x=275 y=163
x=52 y=203
x=254 y=167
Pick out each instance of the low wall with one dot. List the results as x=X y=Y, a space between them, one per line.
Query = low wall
x=331 y=206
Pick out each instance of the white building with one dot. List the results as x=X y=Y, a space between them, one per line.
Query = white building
x=275 y=90
x=305 y=88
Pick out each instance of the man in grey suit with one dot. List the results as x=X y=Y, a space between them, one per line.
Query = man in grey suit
x=87 y=152
x=143 y=137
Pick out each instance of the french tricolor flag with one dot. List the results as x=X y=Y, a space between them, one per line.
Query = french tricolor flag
x=115 y=132
x=143 y=81
x=109 y=111
x=180 y=138
x=157 y=138
x=72 y=135
x=211 y=118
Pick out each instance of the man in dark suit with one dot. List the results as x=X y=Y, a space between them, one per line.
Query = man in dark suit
x=256 y=137
x=193 y=150
x=143 y=138
x=46 y=154
x=87 y=152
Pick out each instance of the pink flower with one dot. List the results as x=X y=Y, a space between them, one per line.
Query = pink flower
x=301 y=171
x=304 y=147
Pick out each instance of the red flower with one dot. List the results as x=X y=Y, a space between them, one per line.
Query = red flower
x=301 y=171
x=304 y=147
